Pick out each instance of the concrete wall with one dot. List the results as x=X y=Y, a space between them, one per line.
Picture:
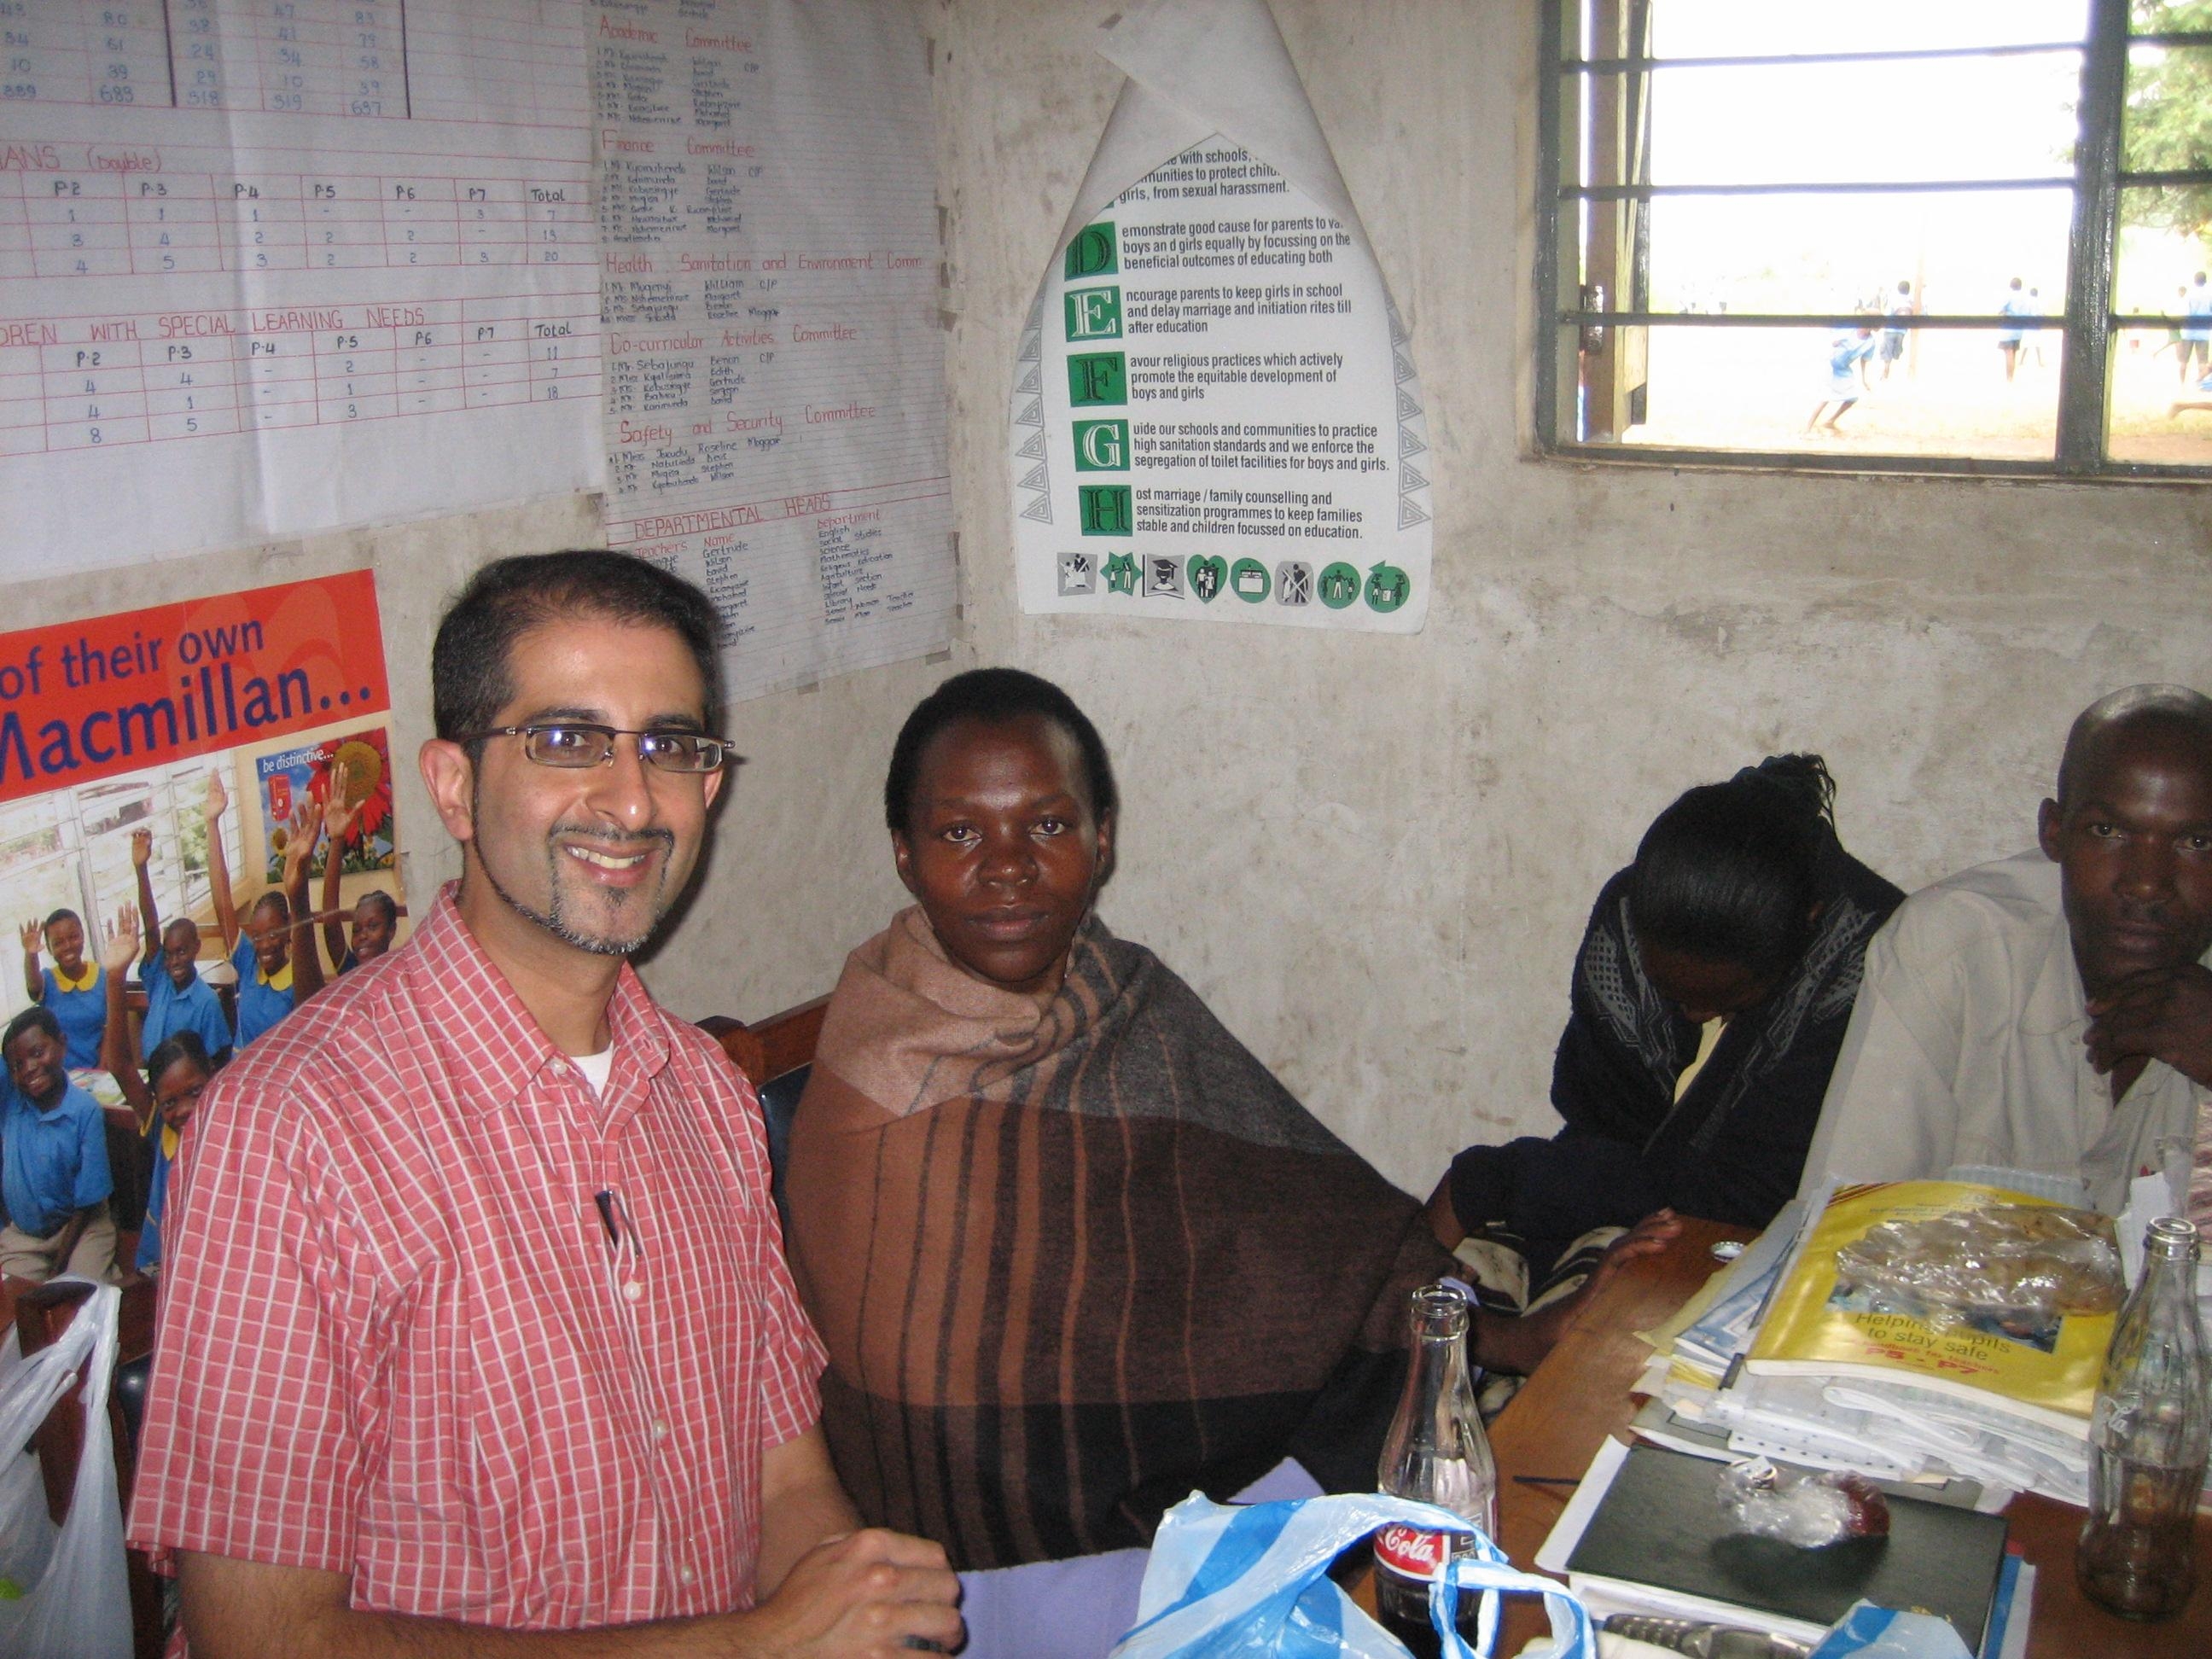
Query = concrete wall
x=1374 y=855
x=797 y=873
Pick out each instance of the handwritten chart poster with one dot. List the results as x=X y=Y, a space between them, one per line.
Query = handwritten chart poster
x=115 y=724
x=775 y=402
x=1215 y=413
x=270 y=266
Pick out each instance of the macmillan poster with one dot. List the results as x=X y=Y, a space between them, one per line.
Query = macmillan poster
x=111 y=725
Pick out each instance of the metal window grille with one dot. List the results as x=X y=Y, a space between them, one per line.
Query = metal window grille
x=1593 y=291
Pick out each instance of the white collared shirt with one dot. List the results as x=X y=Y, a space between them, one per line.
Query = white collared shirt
x=1965 y=1046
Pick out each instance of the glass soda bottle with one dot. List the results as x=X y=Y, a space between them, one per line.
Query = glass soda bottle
x=1437 y=1454
x=2148 y=1439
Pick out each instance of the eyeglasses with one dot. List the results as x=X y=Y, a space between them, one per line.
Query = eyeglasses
x=574 y=745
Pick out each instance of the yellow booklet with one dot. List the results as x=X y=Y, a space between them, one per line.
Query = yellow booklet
x=2045 y=1370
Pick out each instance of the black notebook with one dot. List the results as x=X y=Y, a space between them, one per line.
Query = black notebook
x=1660 y=1524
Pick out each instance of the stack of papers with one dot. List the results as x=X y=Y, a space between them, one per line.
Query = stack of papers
x=1775 y=1359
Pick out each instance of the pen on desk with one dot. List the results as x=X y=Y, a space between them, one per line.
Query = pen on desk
x=604 y=1198
x=1548 y=1481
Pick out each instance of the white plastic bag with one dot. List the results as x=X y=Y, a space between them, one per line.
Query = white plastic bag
x=1251 y=1581
x=76 y=1599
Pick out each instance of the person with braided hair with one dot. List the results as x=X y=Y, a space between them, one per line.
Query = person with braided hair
x=1709 y=999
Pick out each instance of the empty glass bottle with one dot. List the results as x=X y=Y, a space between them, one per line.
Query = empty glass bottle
x=1436 y=1453
x=2149 y=1438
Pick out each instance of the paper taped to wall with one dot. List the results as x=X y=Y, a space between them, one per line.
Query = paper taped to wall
x=273 y=269
x=775 y=410
x=1215 y=412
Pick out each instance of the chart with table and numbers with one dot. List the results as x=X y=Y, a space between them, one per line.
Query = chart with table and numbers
x=268 y=266
x=774 y=401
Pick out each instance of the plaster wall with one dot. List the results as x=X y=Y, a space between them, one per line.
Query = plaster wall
x=1374 y=855
x=797 y=870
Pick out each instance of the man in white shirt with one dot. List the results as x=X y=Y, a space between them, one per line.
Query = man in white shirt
x=2051 y=1012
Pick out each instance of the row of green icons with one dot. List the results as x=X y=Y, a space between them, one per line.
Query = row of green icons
x=1293 y=582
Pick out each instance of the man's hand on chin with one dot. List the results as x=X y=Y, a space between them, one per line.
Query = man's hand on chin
x=2164 y=1013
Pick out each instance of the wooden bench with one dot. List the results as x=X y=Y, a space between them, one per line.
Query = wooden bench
x=772 y=1047
x=775 y=1055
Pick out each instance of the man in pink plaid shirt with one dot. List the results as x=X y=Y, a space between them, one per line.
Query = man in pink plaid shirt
x=477 y=1336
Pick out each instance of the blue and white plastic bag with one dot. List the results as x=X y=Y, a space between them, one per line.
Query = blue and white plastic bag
x=1251 y=1581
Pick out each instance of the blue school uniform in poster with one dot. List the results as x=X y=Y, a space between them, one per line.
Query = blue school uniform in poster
x=166 y=1141
x=169 y=1011
x=79 y=1008
x=262 y=1000
x=52 y=1163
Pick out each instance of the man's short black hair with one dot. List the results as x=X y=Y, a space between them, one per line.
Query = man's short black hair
x=993 y=695
x=508 y=598
x=33 y=1018
x=2179 y=708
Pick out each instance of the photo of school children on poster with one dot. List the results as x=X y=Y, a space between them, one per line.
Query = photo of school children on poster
x=137 y=722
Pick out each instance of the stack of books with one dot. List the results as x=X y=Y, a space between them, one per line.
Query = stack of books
x=1646 y=1533
x=1820 y=1378
x=1782 y=1356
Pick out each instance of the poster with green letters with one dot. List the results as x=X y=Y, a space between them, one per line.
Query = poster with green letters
x=1215 y=415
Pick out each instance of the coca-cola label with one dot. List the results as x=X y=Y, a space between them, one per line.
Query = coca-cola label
x=1411 y=1553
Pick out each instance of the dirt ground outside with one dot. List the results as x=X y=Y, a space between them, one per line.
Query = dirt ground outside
x=1755 y=389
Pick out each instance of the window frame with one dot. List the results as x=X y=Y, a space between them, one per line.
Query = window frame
x=2085 y=332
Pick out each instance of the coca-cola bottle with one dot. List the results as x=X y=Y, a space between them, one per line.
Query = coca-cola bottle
x=1437 y=1454
x=2149 y=1439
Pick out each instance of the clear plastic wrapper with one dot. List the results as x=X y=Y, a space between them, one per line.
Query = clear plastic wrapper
x=2013 y=1265
x=1806 y=1508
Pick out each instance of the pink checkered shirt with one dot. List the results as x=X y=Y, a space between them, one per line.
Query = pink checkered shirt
x=396 y=1339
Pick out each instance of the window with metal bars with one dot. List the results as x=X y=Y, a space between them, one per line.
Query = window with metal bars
x=1966 y=236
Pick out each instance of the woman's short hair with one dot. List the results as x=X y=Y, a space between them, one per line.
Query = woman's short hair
x=185 y=1045
x=1731 y=872
x=58 y=917
x=383 y=903
x=994 y=696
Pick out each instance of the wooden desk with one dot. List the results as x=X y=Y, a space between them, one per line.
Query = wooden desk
x=1579 y=1395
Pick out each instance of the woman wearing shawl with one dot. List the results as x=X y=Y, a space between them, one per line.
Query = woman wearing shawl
x=1709 y=999
x=1074 y=1251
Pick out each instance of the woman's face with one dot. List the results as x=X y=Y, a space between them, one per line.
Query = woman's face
x=177 y=1092
x=271 y=933
x=65 y=943
x=372 y=930
x=180 y=949
x=1003 y=849
x=1703 y=988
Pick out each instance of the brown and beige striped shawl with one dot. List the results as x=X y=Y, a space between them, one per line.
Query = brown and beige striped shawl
x=1077 y=1255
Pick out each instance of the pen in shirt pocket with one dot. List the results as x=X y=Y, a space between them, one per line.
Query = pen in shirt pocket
x=615 y=1216
x=605 y=1198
